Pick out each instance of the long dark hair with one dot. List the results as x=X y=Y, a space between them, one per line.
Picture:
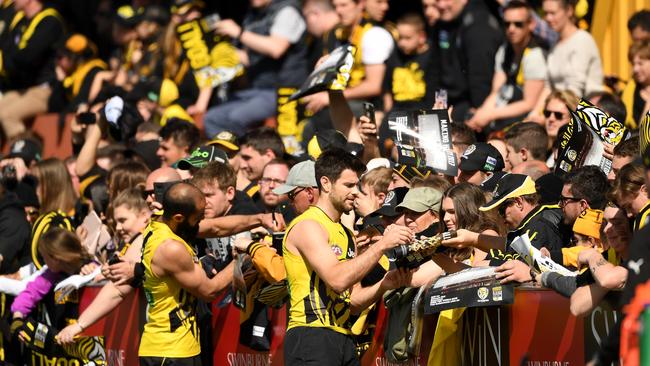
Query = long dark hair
x=467 y=199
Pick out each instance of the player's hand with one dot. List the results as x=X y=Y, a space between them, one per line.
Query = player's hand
x=395 y=235
x=119 y=273
x=513 y=271
x=400 y=277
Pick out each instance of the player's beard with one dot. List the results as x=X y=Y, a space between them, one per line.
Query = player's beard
x=186 y=231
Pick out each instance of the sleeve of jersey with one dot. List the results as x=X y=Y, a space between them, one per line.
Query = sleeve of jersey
x=269 y=263
x=45 y=37
x=376 y=46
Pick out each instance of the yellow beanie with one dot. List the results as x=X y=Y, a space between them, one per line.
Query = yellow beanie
x=588 y=223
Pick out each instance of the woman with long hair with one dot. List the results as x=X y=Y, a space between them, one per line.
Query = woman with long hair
x=57 y=199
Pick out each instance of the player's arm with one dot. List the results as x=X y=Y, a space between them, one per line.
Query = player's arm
x=362 y=297
x=230 y=225
x=172 y=259
x=340 y=276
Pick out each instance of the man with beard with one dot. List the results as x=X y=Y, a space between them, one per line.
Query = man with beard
x=174 y=279
x=324 y=271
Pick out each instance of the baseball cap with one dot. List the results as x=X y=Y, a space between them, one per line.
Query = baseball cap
x=302 y=174
x=409 y=172
x=481 y=156
x=393 y=198
x=377 y=163
x=324 y=140
x=510 y=186
x=201 y=156
x=490 y=183
x=226 y=139
x=421 y=199
x=27 y=149
x=588 y=223
x=127 y=16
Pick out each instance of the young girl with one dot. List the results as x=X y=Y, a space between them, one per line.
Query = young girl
x=64 y=255
x=131 y=214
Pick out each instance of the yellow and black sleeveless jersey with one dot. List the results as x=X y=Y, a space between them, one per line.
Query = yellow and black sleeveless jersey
x=42 y=224
x=171 y=329
x=313 y=304
x=641 y=219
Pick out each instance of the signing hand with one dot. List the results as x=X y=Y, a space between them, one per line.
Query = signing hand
x=395 y=235
x=463 y=239
x=273 y=221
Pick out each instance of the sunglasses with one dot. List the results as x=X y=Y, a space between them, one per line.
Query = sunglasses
x=292 y=195
x=564 y=200
x=519 y=24
x=556 y=114
x=504 y=206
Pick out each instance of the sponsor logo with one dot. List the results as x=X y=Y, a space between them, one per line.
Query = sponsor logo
x=337 y=250
x=389 y=198
x=469 y=151
x=497 y=293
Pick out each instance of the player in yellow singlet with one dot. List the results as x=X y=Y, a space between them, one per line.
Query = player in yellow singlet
x=323 y=269
x=173 y=279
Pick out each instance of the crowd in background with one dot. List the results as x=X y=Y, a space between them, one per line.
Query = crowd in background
x=145 y=117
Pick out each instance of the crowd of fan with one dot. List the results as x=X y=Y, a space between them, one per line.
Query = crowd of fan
x=512 y=74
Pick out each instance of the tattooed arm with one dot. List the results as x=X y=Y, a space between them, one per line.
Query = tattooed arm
x=606 y=274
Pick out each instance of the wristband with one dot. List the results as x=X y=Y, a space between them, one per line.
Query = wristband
x=241 y=31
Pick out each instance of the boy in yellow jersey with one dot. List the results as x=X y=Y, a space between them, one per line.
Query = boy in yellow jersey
x=323 y=271
x=173 y=279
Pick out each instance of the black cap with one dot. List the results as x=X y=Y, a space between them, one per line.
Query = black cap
x=408 y=172
x=127 y=16
x=481 y=156
x=27 y=149
x=147 y=151
x=510 y=186
x=393 y=198
x=325 y=140
x=490 y=184
x=201 y=156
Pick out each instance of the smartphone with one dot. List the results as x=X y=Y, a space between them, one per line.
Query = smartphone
x=86 y=118
x=159 y=189
x=369 y=111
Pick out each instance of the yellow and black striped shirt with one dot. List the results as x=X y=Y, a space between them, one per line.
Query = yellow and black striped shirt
x=313 y=303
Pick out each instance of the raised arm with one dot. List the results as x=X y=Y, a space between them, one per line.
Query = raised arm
x=230 y=225
x=172 y=259
x=340 y=276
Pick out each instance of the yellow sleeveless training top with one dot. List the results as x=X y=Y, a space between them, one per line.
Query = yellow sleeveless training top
x=312 y=303
x=171 y=329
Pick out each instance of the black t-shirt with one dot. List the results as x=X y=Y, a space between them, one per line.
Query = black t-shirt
x=541 y=231
x=638 y=263
x=412 y=79
x=243 y=205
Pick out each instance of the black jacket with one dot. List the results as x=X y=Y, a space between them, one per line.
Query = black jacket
x=15 y=234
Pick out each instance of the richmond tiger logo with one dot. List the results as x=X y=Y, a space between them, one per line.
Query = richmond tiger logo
x=606 y=126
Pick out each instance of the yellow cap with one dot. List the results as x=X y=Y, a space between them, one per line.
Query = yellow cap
x=588 y=223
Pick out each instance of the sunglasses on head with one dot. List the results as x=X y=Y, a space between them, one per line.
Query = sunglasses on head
x=518 y=24
x=556 y=114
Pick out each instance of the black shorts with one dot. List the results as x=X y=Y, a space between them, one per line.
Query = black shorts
x=319 y=346
x=169 y=361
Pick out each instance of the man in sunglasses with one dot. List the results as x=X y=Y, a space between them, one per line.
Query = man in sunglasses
x=520 y=71
x=585 y=187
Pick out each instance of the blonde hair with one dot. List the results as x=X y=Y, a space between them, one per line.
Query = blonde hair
x=64 y=246
x=565 y=96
